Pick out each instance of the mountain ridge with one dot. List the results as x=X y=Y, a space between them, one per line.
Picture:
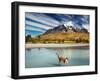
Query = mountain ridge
x=66 y=28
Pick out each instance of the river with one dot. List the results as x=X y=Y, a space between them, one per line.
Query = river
x=47 y=57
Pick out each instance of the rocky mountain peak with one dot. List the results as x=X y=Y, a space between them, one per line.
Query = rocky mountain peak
x=66 y=27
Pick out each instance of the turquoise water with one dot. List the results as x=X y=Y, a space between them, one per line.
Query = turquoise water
x=46 y=57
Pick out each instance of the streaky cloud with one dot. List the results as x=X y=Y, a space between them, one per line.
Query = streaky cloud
x=37 y=24
x=34 y=29
x=41 y=19
x=46 y=18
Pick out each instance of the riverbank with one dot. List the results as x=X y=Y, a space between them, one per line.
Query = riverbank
x=28 y=46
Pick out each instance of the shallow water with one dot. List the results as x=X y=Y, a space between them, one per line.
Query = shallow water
x=46 y=57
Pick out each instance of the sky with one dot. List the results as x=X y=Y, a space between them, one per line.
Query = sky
x=38 y=23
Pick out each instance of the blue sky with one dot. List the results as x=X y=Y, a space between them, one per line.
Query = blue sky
x=38 y=23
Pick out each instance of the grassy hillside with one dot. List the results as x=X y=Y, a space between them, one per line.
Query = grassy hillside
x=67 y=37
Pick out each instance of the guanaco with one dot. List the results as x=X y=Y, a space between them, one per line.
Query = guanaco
x=62 y=59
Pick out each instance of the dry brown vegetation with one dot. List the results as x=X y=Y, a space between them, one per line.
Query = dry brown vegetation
x=64 y=37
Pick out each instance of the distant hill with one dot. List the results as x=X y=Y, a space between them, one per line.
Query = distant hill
x=65 y=33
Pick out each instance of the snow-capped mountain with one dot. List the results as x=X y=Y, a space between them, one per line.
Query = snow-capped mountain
x=66 y=27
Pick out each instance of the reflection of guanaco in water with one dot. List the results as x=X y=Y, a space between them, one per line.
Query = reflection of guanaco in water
x=62 y=59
